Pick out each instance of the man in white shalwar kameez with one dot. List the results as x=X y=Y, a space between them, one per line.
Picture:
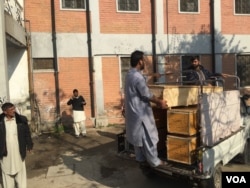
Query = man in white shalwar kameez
x=15 y=140
x=78 y=102
x=141 y=130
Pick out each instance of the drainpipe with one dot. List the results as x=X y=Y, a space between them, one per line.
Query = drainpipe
x=212 y=34
x=90 y=59
x=55 y=61
x=153 y=36
x=167 y=27
x=30 y=74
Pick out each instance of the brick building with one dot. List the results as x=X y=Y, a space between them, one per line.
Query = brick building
x=85 y=44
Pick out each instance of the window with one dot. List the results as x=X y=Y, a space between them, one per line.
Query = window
x=189 y=6
x=43 y=64
x=242 y=6
x=185 y=64
x=125 y=66
x=243 y=69
x=73 y=4
x=127 y=5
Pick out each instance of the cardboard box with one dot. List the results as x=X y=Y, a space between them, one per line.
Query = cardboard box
x=181 y=149
x=183 y=121
x=181 y=95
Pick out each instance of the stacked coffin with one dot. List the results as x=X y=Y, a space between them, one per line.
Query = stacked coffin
x=181 y=95
x=197 y=116
x=182 y=137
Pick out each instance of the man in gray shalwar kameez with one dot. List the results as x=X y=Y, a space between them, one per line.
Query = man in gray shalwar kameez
x=141 y=130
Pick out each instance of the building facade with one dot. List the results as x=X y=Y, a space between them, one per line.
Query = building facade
x=14 y=62
x=86 y=44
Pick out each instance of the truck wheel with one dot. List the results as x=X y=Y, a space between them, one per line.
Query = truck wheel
x=246 y=153
x=214 y=181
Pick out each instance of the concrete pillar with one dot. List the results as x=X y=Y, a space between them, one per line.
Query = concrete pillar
x=217 y=23
x=4 y=91
x=101 y=118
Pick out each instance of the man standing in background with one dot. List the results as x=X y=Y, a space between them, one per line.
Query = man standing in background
x=78 y=103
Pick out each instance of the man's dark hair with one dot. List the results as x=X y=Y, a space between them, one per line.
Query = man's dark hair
x=195 y=57
x=6 y=106
x=136 y=56
x=75 y=90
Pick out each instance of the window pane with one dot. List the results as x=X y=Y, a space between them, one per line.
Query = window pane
x=73 y=4
x=128 y=5
x=44 y=64
x=185 y=64
x=189 y=5
x=243 y=69
x=242 y=6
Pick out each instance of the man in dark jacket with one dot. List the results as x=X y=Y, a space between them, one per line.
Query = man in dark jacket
x=197 y=74
x=79 y=117
x=15 y=140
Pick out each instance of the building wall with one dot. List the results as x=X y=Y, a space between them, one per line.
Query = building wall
x=232 y=23
x=74 y=74
x=115 y=34
x=14 y=59
x=113 y=22
x=187 y=23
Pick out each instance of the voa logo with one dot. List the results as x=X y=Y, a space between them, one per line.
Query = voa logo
x=236 y=179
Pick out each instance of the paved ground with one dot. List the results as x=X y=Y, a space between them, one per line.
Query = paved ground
x=63 y=161
x=91 y=162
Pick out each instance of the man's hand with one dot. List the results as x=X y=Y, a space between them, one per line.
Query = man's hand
x=162 y=104
x=224 y=75
x=159 y=102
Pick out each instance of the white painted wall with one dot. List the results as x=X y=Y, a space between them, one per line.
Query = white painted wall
x=75 y=44
x=18 y=79
x=4 y=92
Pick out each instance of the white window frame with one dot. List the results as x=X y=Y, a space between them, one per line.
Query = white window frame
x=128 y=11
x=181 y=12
x=72 y=9
x=245 y=14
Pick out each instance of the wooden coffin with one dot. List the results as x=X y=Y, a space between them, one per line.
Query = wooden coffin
x=220 y=116
x=181 y=149
x=178 y=95
x=160 y=116
x=183 y=121
x=162 y=134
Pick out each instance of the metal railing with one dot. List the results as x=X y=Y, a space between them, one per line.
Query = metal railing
x=13 y=8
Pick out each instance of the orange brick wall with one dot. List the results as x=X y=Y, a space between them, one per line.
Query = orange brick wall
x=44 y=90
x=180 y=23
x=39 y=14
x=74 y=74
x=112 y=21
x=232 y=24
